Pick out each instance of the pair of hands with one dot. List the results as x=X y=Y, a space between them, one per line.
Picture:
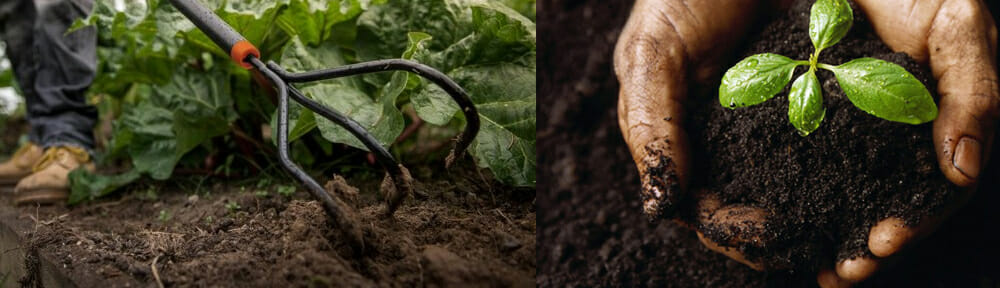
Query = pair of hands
x=669 y=43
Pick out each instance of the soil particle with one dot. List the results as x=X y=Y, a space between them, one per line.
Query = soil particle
x=338 y=188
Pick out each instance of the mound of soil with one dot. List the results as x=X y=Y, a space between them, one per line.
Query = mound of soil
x=824 y=191
x=592 y=231
x=467 y=231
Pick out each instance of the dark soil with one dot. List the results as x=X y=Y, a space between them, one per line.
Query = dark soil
x=593 y=231
x=825 y=191
x=468 y=231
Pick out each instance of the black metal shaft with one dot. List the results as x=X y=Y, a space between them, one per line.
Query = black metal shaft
x=206 y=21
x=449 y=86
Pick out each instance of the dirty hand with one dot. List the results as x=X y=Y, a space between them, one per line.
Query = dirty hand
x=665 y=45
x=957 y=39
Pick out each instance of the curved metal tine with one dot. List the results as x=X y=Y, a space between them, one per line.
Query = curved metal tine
x=447 y=84
x=333 y=207
x=381 y=153
x=401 y=180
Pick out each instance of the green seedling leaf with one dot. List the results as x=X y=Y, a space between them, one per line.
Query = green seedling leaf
x=755 y=79
x=829 y=21
x=886 y=90
x=805 y=103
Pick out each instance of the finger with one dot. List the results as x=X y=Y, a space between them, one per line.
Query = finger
x=652 y=57
x=732 y=253
x=733 y=225
x=737 y=224
x=958 y=39
x=650 y=64
x=848 y=272
x=962 y=45
x=891 y=235
x=828 y=278
x=857 y=269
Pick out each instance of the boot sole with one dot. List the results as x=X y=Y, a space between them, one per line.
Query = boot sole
x=7 y=185
x=41 y=197
x=10 y=181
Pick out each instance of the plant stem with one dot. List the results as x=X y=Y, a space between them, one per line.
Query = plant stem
x=813 y=59
x=826 y=66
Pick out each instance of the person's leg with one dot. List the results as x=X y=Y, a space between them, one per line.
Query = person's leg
x=17 y=22
x=57 y=69
x=64 y=66
x=17 y=18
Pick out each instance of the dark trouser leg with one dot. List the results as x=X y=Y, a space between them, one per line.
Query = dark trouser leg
x=54 y=69
x=17 y=21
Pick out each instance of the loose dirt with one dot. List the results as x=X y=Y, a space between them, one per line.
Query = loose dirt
x=464 y=231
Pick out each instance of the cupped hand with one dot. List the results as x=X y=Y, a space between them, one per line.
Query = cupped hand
x=957 y=39
x=664 y=46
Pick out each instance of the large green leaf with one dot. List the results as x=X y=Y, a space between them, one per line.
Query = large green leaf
x=829 y=21
x=178 y=117
x=805 y=103
x=377 y=114
x=488 y=49
x=525 y=7
x=755 y=79
x=152 y=143
x=505 y=97
x=86 y=186
x=886 y=90
x=201 y=105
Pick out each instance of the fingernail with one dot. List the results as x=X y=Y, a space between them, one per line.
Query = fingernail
x=968 y=157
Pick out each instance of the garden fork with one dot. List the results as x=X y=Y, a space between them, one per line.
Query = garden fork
x=398 y=183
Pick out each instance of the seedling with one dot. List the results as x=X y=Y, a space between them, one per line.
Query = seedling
x=164 y=216
x=880 y=88
x=232 y=207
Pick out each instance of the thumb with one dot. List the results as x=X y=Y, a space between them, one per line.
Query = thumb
x=651 y=62
x=651 y=69
x=961 y=46
x=649 y=114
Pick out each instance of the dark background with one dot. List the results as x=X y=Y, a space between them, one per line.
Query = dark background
x=593 y=232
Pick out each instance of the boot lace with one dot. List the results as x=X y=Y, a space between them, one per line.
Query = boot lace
x=52 y=156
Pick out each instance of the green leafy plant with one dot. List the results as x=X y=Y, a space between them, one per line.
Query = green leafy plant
x=880 y=88
x=175 y=96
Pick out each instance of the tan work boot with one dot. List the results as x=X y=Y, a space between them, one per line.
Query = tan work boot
x=49 y=181
x=19 y=165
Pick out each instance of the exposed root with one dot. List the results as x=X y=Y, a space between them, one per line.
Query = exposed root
x=156 y=272
x=32 y=267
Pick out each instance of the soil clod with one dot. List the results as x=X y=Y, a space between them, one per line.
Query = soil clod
x=660 y=186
